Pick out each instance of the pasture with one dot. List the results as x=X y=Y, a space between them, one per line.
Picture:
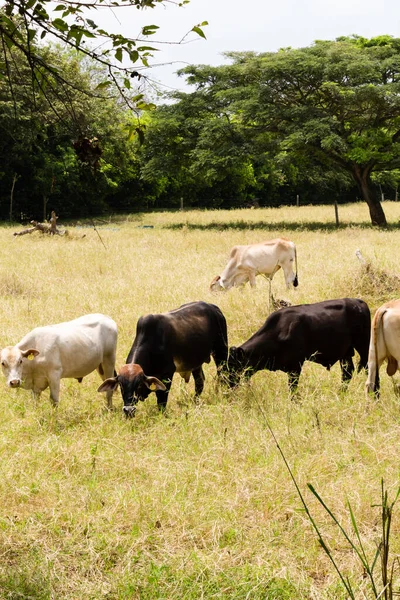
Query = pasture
x=197 y=503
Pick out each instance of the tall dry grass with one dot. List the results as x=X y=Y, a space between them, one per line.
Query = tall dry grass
x=196 y=503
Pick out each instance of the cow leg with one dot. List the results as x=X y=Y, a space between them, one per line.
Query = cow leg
x=198 y=376
x=270 y=297
x=162 y=396
x=54 y=384
x=35 y=396
x=373 y=383
x=252 y=279
x=377 y=384
x=106 y=370
x=288 y=274
x=347 y=367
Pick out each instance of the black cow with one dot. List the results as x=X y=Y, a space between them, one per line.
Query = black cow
x=177 y=341
x=324 y=333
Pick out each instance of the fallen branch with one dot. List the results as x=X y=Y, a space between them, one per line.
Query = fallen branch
x=51 y=228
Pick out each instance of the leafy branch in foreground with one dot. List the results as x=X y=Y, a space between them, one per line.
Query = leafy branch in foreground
x=24 y=24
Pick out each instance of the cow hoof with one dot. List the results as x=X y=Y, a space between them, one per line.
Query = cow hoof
x=129 y=411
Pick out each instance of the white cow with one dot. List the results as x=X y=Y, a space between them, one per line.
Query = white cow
x=384 y=344
x=53 y=352
x=265 y=258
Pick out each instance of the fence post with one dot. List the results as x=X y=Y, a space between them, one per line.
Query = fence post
x=336 y=214
x=297 y=200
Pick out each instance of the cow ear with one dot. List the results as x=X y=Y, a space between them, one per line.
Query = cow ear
x=154 y=384
x=109 y=385
x=215 y=283
x=236 y=354
x=30 y=354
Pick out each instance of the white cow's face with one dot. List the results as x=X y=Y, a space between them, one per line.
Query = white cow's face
x=216 y=284
x=12 y=364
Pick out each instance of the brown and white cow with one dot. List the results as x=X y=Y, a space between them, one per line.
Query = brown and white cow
x=180 y=341
x=265 y=258
x=72 y=349
x=384 y=344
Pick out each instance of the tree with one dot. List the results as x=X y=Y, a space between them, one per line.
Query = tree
x=24 y=23
x=37 y=157
x=194 y=151
x=337 y=103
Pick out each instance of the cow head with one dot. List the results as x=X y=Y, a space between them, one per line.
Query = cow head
x=216 y=285
x=135 y=386
x=236 y=365
x=13 y=362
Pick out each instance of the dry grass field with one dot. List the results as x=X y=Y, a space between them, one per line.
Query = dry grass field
x=196 y=503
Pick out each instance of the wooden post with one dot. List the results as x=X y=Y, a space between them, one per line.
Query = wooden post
x=397 y=195
x=297 y=200
x=181 y=203
x=12 y=194
x=336 y=214
x=44 y=206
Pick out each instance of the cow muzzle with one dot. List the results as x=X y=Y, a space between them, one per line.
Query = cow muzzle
x=129 y=411
x=14 y=383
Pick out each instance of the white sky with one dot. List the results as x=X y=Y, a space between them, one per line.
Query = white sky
x=257 y=25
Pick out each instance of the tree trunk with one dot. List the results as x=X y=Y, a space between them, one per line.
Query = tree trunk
x=362 y=176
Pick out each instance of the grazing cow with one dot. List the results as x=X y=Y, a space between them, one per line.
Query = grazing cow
x=177 y=341
x=324 y=333
x=67 y=350
x=266 y=258
x=384 y=344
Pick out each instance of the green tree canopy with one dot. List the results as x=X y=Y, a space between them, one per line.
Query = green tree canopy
x=336 y=103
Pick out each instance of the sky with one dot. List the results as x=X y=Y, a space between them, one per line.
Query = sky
x=248 y=25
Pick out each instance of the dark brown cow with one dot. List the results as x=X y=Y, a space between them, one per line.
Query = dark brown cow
x=177 y=341
x=325 y=332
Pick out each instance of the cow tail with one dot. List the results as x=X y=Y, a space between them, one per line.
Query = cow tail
x=373 y=373
x=295 y=280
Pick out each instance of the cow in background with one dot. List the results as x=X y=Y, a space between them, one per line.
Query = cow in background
x=177 y=341
x=72 y=349
x=266 y=258
x=324 y=332
x=384 y=344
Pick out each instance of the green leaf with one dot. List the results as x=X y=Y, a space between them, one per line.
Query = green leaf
x=102 y=85
x=118 y=54
x=149 y=29
x=127 y=83
x=137 y=98
x=60 y=7
x=31 y=34
x=199 y=31
x=88 y=34
x=134 y=55
x=60 y=25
